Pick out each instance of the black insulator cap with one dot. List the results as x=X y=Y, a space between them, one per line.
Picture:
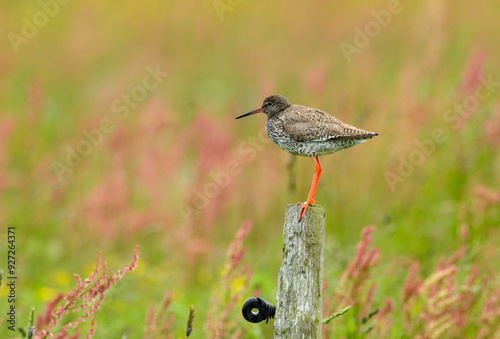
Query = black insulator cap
x=265 y=311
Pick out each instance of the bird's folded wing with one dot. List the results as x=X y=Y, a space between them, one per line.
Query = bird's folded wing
x=311 y=131
x=314 y=125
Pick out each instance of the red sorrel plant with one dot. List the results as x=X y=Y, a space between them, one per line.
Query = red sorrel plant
x=490 y=317
x=6 y=127
x=492 y=128
x=159 y=323
x=440 y=306
x=486 y=197
x=83 y=302
x=223 y=317
x=452 y=302
x=471 y=82
x=357 y=273
x=472 y=78
x=355 y=289
x=213 y=153
x=146 y=180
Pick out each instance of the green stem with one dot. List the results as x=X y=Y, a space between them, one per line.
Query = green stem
x=336 y=314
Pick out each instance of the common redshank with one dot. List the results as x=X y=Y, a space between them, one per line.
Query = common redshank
x=307 y=131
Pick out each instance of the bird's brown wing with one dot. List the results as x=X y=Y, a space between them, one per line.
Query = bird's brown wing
x=311 y=124
x=312 y=131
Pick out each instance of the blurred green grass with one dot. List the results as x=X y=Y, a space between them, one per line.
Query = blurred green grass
x=130 y=188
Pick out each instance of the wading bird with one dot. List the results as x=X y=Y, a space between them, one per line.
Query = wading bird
x=307 y=131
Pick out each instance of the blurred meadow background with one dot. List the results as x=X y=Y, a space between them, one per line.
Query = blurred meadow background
x=117 y=129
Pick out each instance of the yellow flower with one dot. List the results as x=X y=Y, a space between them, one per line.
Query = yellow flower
x=140 y=269
x=46 y=293
x=62 y=278
x=237 y=285
x=89 y=268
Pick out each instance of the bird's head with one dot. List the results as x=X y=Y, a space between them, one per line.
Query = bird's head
x=272 y=104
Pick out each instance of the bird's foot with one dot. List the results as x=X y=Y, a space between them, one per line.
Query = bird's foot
x=304 y=207
x=312 y=202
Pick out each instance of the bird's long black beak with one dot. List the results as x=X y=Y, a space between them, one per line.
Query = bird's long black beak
x=258 y=110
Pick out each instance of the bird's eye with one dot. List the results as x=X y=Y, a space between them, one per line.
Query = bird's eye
x=269 y=104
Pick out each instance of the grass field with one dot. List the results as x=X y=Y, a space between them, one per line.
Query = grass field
x=117 y=129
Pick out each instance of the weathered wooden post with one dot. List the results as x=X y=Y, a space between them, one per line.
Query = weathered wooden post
x=300 y=282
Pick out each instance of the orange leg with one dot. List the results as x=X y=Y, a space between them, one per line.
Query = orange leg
x=314 y=186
